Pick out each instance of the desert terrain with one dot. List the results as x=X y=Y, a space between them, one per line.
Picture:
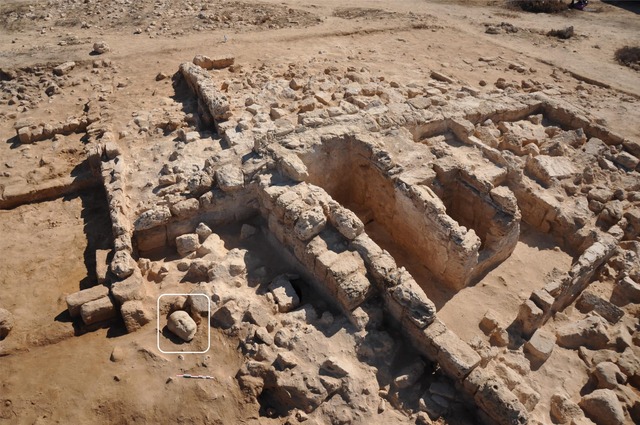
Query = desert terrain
x=261 y=212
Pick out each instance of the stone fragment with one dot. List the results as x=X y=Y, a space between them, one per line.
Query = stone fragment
x=293 y=167
x=152 y=218
x=75 y=300
x=6 y=323
x=185 y=208
x=122 y=264
x=102 y=265
x=455 y=356
x=226 y=316
x=203 y=231
x=547 y=168
x=198 y=304
x=334 y=367
x=101 y=47
x=230 y=178
x=489 y=322
x=213 y=248
x=99 y=310
x=187 y=244
x=500 y=404
x=630 y=289
x=588 y=301
x=540 y=345
x=563 y=410
x=286 y=360
x=626 y=160
x=64 y=68
x=603 y=407
x=219 y=62
x=182 y=325
x=132 y=288
x=135 y=315
x=608 y=375
x=346 y=222
x=414 y=303
x=590 y=332
x=284 y=294
x=310 y=223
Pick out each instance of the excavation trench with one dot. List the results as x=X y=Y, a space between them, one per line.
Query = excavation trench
x=447 y=232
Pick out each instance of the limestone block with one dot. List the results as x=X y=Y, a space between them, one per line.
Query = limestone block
x=542 y=299
x=545 y=168
x=626 y=160
x=218 y=62
x=282 y=201
x=102 y=265
x=455 y=356
x=230 y=178
x=310 y=223
x=563 y=410
x=345 y=221
x=182 y=325
x=530 y=317
x=293 y=211
x=590 y=332
x=631 y=289
x=500 y=404
x=129 y=289
x=366 y=247
x=284 y=294
x=351 y=291
x=203 y=231
x=540 y=345
x=64 y=68
x=135 y=315
x=186 y=244
x=77 y=299
x=608 y=375
x=588 y=301
x=527 y=396
x=198 y=304
x=99 y=310
x=411 y=299
x=489 y=322
x=213 y=248
x=476 y=379
x=185 y=208
x=293 y=167
x=122 y=264
x=603 y=407
x=152 y=218
x=323 y=263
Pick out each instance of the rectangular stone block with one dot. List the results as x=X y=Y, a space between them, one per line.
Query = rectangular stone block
x=77 y=299
x=352 y=290
x=132 y=288
x=589 y=301
x=540 y=345
x=102 y=265
x=323 y=263
x=500 y=404
x=99 y=310
x=455 y=356
x=542 y=299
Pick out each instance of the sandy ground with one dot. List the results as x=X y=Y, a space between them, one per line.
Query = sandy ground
x=51 y=369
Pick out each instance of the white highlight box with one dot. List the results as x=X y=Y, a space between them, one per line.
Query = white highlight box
x=208 y=324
